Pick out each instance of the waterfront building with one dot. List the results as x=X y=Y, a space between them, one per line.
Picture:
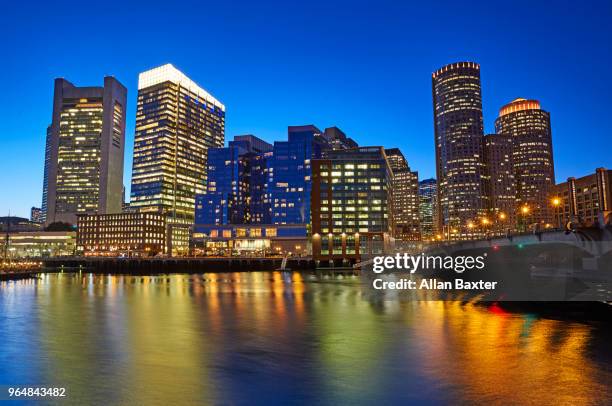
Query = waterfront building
x=85 y=160
x=235 y=190
x=43 y=207
x=38 y=244
x=256 y=240
x=405 y=197
x=122 y=234
x=498 y=152
x=36 y=215
x=428 y=195
x=351 y=204
x=586 y=200
x=290 y=174
x=529 y=127
x=177 y=122
x=458 y=128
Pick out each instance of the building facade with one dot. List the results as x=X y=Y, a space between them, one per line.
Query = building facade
x=45 y=189
x=121 y=234
x=498 y=152
x=289 y=183
x=529 y=127
x=87 y=137
x=582 y=200
x=458 y=137
x=255 y=240
x=428 y=213
x=235 y=192
x=177 y=122
x=351 y=204
x=405 y=197
x=38 y=244
x=337 y=139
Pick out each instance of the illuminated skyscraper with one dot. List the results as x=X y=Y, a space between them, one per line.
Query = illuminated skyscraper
x=458 y=128
x=87 y=136
x=176 y=123
x=405 y=192
x=501 y=183
x=428 y=213
x=529 y=127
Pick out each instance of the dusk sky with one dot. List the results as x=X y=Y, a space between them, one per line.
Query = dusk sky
x=362 y=66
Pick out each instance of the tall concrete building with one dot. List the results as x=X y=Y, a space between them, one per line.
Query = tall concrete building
x=498 y=152
x=458 y=129
x=177 y=121
x=405 y=185
x=529 y=127
x=428 y=213
x=87 y=137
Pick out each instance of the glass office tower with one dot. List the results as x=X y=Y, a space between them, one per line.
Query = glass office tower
x=177 y=122
x=428 y=195
x=458 y=127
x=43 y=207
x=236 y=178
x=87 y=136
x=290 y=173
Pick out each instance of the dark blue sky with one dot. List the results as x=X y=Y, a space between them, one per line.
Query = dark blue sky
x=363 y=66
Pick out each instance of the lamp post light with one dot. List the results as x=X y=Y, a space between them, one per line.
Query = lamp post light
x=556 y=202
x=524 y=213
x=502 y=219
x=485 y=222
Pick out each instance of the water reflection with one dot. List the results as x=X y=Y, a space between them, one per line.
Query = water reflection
x=278 y=337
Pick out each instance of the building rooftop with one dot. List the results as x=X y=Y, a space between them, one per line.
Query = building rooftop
x=455 y=65
x=168 y=73
x=519 y=104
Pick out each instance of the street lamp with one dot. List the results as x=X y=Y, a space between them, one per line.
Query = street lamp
x=524 y=211
x=502 y=219
x=485 y=222
x=556 y=202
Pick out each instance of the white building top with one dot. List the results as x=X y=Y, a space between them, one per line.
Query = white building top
x=168 y=73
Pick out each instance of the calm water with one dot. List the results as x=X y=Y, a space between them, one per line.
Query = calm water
x=246 y=338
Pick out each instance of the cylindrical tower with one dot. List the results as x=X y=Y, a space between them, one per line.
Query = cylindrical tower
x=529 y=127
x=458 y=128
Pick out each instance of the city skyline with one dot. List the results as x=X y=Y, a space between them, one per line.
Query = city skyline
x=392 y=120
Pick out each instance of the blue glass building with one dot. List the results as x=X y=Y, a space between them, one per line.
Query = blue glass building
x=290 y=173
x=230 y=197
x=253 y=182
